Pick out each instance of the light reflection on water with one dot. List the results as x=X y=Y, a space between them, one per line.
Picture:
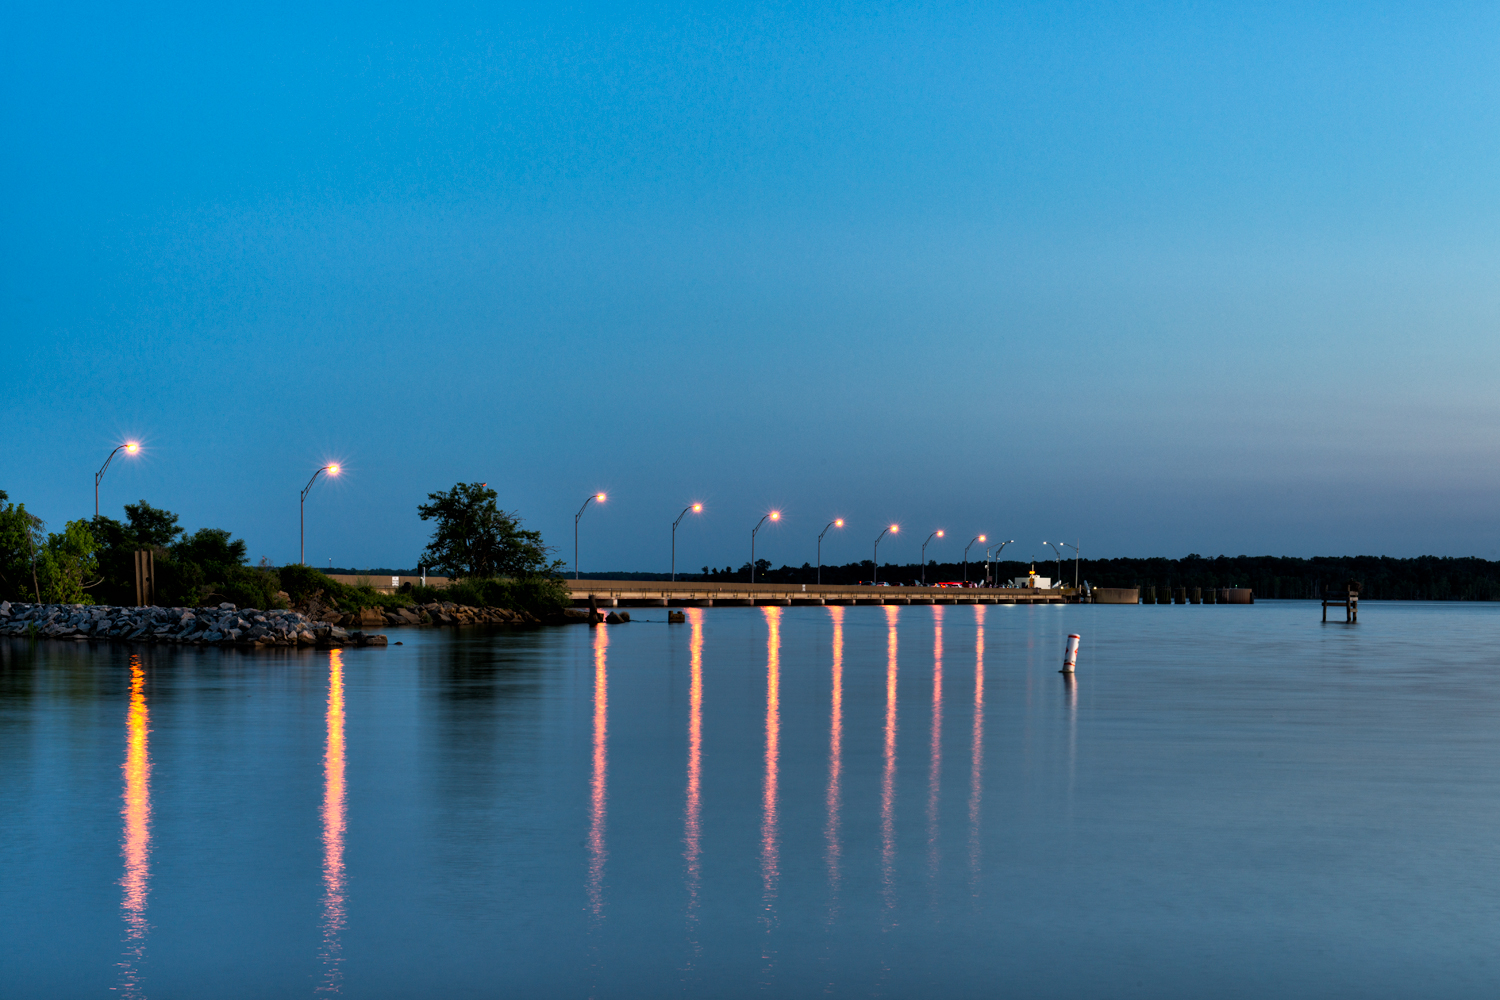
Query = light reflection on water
x=976 y=751
x=599 y=779
x=693 y=810
x=770 y=848
x=935 y=765
x=1222 y=800
x=888 y=771
x=137 y=834
x=334 y=914
x=833 y=852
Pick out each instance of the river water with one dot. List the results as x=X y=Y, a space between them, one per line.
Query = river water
x=789 y=802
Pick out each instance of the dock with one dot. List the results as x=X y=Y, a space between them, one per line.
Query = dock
x=659 y=594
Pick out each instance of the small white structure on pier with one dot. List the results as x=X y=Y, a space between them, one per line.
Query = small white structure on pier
x=1031 y=581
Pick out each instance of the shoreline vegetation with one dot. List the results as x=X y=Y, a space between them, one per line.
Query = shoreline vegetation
x=498 y=571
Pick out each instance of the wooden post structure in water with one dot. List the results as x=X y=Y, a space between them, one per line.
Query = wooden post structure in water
x=1349 y=601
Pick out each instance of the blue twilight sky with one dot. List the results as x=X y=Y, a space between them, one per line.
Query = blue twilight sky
x=1165 y=278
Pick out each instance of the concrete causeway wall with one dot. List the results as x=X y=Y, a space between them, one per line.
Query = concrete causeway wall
x=637 y=593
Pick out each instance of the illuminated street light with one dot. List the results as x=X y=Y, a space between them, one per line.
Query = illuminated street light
x=936 y=534
x=596 y=496
x=976 y=538
x=837 y=522
x=129 y=448
x=998 y=549
x=774 y=515
x=1054 y=548
x=893 y=529
x=1077 y=554
x=332 y=470
x=696 y=508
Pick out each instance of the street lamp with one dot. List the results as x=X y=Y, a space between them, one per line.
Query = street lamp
x=332 y=470
x=696 y=508
x=893 y=529
x=1077 y=554
x=774 y=515
x=976 y=538
x=596 y=496
x=936 y=534
x=1054 y=548
x=129 y=448
x=837 y=522
x=998 y=549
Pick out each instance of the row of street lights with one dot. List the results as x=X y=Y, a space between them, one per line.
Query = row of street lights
x=134 y=448
x=332 y=469
x=838 y=522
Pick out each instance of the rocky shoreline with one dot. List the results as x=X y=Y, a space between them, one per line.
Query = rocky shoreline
x=224 y=625
x=448 y=613
x=227 y=625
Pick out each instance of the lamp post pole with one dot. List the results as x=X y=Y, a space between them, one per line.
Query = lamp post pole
x=130 y=448
x=936 y=534
x=876 y=572
x=976 y=538
x=596 y=496
x=332 y=470
x=837 y=522
x=695 y=508
x=998 y=549
x=1054 y=548
x=1077 y=554
x=774 y=515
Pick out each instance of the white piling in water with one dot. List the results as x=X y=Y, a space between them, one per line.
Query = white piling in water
x=1070 y=658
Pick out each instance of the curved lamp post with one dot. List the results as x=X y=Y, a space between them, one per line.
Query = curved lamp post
x=837 y=522
x=936 y=534
x=876 y=575
x=332 y=470
x=1077 y=554
x=696 y=508
x=1054 y=548
x=998 y=549
x=976 y=538
x=774 y=515
x=129 y=448
x=596 y=496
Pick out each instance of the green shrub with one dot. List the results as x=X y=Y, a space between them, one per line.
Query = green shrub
x=538 y=595
x=247 y=587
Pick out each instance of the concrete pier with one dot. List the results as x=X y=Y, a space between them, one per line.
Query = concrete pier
x=637 y=593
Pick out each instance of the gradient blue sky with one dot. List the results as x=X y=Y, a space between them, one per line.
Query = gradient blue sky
x=1164 y=278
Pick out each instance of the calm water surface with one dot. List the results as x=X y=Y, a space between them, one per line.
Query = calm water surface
x=1229 y=801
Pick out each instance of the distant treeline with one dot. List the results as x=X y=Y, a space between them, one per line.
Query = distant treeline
x=1424 y=578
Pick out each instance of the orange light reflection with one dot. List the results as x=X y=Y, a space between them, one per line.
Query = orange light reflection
x=888 y=774
x=835 y=759
x=976 y=766
x=692 y=817
x=935 y=767
x=137 y=833
x=770 y=850
x=598 y=783
x=333 y=830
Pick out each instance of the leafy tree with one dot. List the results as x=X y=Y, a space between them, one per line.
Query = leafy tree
x=21 y=539
x=211 y=548
x=66 y=567
x=474 y=538
x=145 y=527
x=151 y=527
x=205 y=567
x=209 y=566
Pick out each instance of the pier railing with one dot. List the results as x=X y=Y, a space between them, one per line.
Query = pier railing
x=635 y=593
